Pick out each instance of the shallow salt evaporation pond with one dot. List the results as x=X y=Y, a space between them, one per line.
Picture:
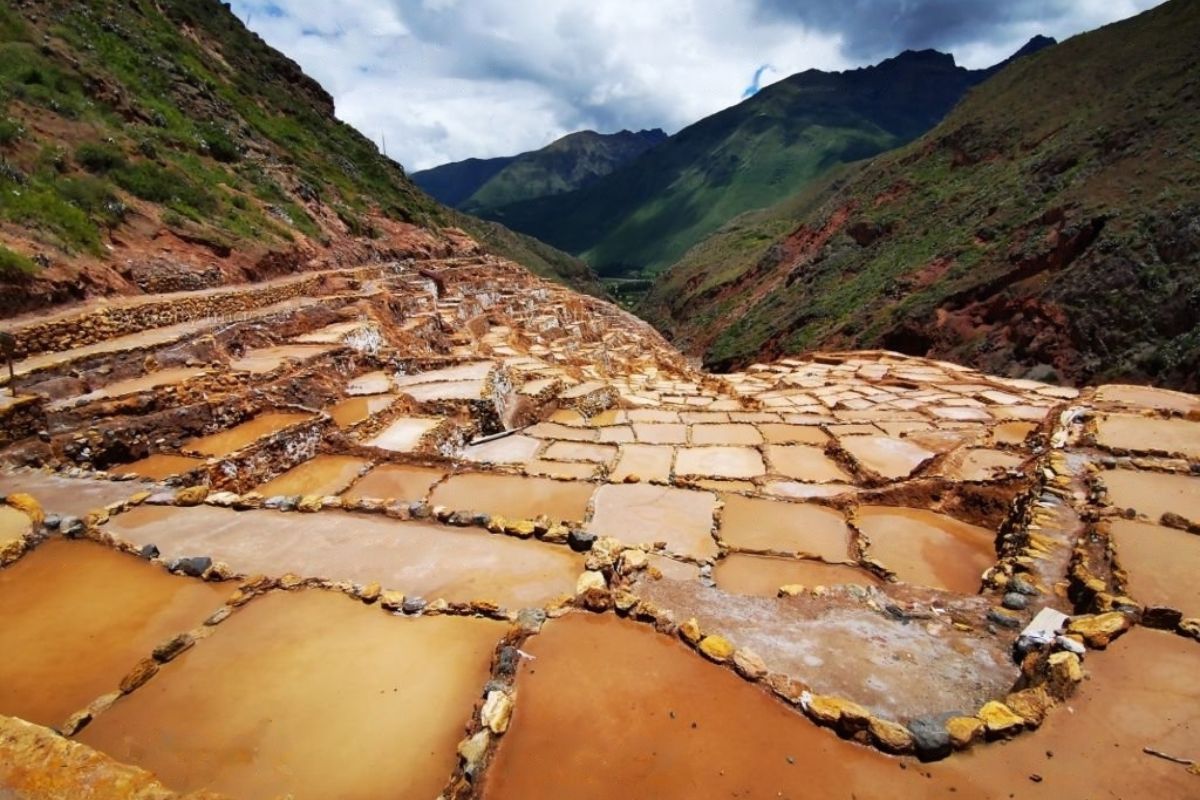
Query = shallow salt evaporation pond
x=309 y=694
x=433 y=561
x=927 y=548
x=229 y=441
x=78 y=616
x=515 y=496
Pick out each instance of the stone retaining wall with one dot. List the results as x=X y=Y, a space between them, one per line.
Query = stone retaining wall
x=107 y=322
x=22 y=419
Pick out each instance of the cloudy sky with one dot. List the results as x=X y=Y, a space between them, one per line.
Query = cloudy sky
x=444 y=80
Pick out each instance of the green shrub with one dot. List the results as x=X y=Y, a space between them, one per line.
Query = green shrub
x=93 y=196
x=10 y=132
x=99 y=156
x=158 y=184
x=220 y=145
x=14 y=263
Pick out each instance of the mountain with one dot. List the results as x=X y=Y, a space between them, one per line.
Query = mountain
x=1046 y=228
x=482 y=185
x=159 y=144
x=643 y=217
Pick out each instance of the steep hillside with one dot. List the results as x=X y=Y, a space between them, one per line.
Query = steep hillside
x=150 y=146
x=1047 y=227
x=645 y=216
x=454 y=183
x=480 y=186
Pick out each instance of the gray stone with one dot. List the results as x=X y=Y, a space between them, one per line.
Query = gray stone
x=580 y=540
x=1015 y=601
x=930 y=737
x=1022 y=585
x=149 y=551
x=413 y=605
x=506 y=663
x=1004 y=618
x=71 y=527
x=52 y=521
x=192 y=566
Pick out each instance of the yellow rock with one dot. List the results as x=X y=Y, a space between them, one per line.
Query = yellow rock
x=834 y=710
x=999 y=719
x=1065 y=673
x=522 y=528
x=690 y=631
x=497 y=523
x=964 y=731
x=191 y=496
x=749 y=664
x=310 y=503
x=791 y=590
x=392 y=600
x=1030 y=704
x=890 y=736
x=718 y=648
x=1100 y=629
x=370 y=593
x=496 y=712
x=29 y=506
x=144 y=671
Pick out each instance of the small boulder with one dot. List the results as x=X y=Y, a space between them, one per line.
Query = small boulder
x=392 y=600
x=192 y=566
x=749 y=664
x=931 y=740
x=191 y=496
x=964 y=731
x=890 y=737
x=689 y=631
x=716 y=648
x=999 y=720
x=497 y=711
x=144 y=671
x=1099 y=629
x=592 y=591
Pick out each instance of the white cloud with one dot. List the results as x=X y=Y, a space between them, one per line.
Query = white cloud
x=444 y=80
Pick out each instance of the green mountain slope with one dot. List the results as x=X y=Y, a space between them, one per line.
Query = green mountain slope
x=644 y=216
x=1047 y=227
x=454 y=183
x=481 y=185
x=159 y=143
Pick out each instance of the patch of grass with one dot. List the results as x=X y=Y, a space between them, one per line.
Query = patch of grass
x=99 y=157
x=10 y=132
x=12 y=263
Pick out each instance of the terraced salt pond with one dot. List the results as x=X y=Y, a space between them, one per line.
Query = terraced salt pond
x=394 y=482
x=926 y=548
x=701 y=731
x=354 y=410
x=644 y=514
x=739 y=573
x=308 y=694
x=320 y=475
x=233 y=439
x=515 y=497
x=783 y=527
x=61 y=495
x=78 y=616
x=1162 y=565
x=425 y=559
x=1153 y=493
x=158 y=466
x=268 y=359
